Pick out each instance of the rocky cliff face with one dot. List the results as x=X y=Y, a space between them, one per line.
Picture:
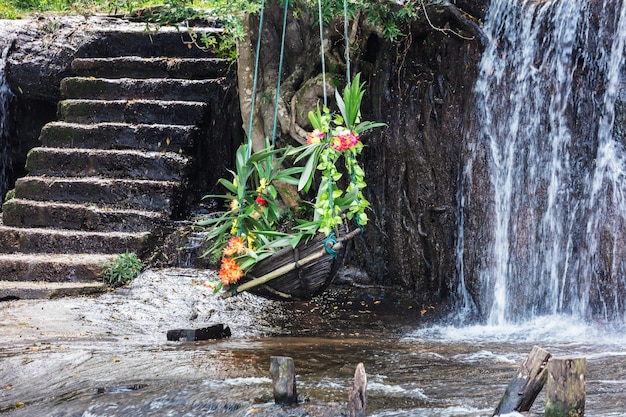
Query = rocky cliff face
x=41 y=51
x=422 y=87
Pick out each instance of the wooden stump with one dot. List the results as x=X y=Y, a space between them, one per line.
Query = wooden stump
x=527 y=383
x=357 y=396
x=283 y=372
x=565 y=387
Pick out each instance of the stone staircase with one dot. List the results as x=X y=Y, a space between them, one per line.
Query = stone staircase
x=113 y=174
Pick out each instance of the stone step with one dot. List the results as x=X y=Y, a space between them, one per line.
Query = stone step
x=29 y=213
x=52 y=267
x=149 y=89
x=134 y=40
x=114 y=193
x=151 y=137
x=16 y=290
x=133 y=111
x=119 y=164
x=140 y=67
x=39 y=240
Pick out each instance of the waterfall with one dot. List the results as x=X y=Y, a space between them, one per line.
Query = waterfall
x=5 y=97
x=552 y=162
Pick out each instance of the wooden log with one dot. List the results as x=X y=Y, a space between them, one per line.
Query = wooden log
x=565 y=387
x=283 y=372
x=218 y=331
x=357 y=395
x=526 y=384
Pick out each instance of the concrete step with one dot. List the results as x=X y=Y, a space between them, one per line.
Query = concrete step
x=148 y=89
x=141 y=67
x=29 y=213
x=114 y=193
x=16 y=290
x=151 y=137
x=52 y=267
x=40 y=240
x=133 y=111
x=135 y=40
x=119 y=164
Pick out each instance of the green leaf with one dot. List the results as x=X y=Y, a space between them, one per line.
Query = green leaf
x=228 y=185
x=364 y=126
x=306 y=178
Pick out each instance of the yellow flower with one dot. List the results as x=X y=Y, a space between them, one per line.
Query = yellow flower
x=251 y=237
x=262 y=186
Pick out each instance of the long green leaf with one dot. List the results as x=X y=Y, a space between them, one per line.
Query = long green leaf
x=306 y=178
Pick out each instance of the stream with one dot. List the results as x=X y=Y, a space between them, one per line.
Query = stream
x=108 y=356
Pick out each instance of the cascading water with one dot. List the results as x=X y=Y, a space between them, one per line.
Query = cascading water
x=544 y=187
x=5 y=97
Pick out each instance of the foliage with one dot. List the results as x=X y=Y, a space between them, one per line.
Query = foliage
x=15 y=9
x=252 y=227
x=253 y=212
x=122 y=270
x=387 y=16
x=326 y=145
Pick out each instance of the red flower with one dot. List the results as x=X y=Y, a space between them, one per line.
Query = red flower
x=344 y=139
x=261 y=201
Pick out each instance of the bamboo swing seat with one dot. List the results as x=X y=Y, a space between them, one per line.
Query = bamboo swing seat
x=300 y=273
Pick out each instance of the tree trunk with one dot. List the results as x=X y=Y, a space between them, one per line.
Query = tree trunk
x=357 y=396
x=283 y=372
x=526 y=384
x=565 y=388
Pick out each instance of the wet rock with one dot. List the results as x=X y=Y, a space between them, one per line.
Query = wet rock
x=218 y=331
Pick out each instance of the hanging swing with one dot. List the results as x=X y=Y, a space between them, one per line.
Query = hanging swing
x=305 y=269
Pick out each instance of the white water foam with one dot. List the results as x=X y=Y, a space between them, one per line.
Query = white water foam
x=545 y=329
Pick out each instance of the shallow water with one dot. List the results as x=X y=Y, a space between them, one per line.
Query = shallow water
x=111 y=358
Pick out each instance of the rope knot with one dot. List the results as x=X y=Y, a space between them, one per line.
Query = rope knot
x=329 y=244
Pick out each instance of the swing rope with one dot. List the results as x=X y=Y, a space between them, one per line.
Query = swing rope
x=349 y=81
x=321 y=24
x=280 y=72
x=345 y=35
x=256 y=79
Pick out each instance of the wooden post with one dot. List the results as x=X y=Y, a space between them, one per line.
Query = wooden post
x=357 y=395
x=565 y=387
x=526 y=384
x=283 y=374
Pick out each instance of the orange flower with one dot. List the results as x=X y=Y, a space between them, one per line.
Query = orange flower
x=314 y=137
x=235 y=246
x=230 y=272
